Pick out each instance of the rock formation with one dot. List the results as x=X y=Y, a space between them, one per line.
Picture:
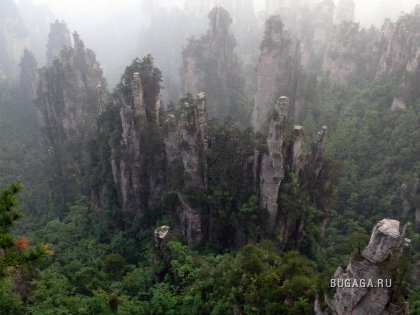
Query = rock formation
x=68 y=101
x=283 y=163
x=28 y=78
x=399 y=50
x=186 y=141
x=340 y=62
x=315 y=27
x=276 y=71
x=58 y=38
x=129 y=172
x=193 y=139
x=210 y=64
x=161 y=235
x=369 y=296
x=410 y=202
x=272 y=172
x=297 y=151
x=13 y=39
x=135 y=170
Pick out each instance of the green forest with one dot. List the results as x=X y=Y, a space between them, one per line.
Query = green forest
x=114 y=201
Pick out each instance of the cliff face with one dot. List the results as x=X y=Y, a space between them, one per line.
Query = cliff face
x=314 y=32
x=68 y=101
x=210 y=64
x=28 y=78
x=410 y=202
x=133 y=140
x=193 y=139
x=186 y=143
x=130 y=171
x=283 y=169
x=272 y=172
x=386 y=245
x=400 y=56
x=340 y=62
x=13 y=39
x=276 y=71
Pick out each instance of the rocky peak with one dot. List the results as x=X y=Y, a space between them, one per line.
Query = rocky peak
x=385 y=243
x=340 y=62
x=13 y=38
x=399 y=51
x=58 y=38
x=220 y=22
x=186 y=141
x=68 y=101
x=212 y=59
x=385 y=236
x=344 y=11
x=276 y=70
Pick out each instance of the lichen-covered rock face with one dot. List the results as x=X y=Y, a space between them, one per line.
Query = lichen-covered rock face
x=368 y=296
x=385 y=236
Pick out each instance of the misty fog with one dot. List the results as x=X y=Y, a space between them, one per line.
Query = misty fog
x=209 y=157
x=113 y=28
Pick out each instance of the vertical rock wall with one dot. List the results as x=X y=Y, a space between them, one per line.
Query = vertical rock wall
x=67 y=99
x=272 y=171
x=275 y=71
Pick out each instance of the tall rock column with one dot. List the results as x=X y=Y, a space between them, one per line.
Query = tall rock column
x=211 y=64
x=13 y=39
x=399 y=57
x=67 y=99
x=340 y=62
x=193 y=139
x=58 y=38
x=133 y=122
x=186 y=142
x=275 y=71
x=272 y=172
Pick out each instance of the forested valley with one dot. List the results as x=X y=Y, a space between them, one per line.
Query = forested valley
x=240 y=161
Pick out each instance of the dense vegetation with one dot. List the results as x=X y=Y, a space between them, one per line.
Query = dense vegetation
x=104 y=259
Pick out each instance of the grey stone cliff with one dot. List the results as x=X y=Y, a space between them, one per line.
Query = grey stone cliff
x=386 y=240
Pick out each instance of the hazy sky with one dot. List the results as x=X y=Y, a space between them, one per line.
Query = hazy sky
x=80 y=10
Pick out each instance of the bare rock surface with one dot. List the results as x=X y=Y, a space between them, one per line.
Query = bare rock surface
x=369 y=287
